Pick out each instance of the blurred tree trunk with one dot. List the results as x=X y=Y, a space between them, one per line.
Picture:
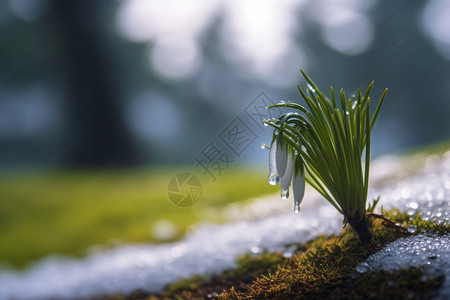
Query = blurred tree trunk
x=97 y=135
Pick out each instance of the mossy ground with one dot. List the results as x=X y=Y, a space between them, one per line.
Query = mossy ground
x=66 y=212
x=323 y=268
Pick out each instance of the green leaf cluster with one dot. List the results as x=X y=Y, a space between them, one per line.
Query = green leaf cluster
x=331 y=137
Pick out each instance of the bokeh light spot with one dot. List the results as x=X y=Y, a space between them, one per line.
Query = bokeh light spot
x=436 y=24
x=353 y=36
x=175 y=58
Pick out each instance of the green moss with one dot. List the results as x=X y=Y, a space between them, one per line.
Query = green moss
x=402 y=284
x=249 y=267
x=417 y=220
x=189 y=284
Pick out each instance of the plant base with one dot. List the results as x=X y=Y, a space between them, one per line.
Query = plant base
x=361 y=227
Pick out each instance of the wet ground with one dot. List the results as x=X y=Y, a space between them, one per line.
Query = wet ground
x=259 y=225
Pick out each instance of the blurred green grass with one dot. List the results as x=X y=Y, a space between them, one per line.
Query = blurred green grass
x=67 y=212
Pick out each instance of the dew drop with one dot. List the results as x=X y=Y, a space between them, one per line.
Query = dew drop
x=311 y=88
x=265 y=124
x=297 y=208
x=362 y=268
x=256 y=250
x=263 y=146
x=276 y=131
x=432 y=256
x=412 y=229
x=284 y=194
x=411 y=212
x=413 y=205
x=289 y=252
x=274 y=180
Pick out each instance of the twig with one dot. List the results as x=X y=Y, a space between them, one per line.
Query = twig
x=386 y=222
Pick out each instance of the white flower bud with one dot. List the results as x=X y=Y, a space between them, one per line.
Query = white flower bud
x=298 y=186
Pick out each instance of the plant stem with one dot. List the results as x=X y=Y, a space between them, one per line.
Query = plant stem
x=361 y=226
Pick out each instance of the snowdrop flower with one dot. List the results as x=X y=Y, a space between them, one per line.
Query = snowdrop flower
x=273 y=172
x=298 y=186
x=286 y=177
x=281 y=159
x=282 y=169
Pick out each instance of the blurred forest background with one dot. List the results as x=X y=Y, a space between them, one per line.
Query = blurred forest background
x=101 y=102
x=125 y=83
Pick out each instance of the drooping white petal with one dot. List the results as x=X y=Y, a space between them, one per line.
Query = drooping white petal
x=298 y=186
x=286 y=178
x=281 y=160
x=273 y=173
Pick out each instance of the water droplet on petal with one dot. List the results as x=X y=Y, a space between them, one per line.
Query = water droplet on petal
x=412 y=229
x=284 y=194
x=274 y=180
x=362 y=268
x=297 y=208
